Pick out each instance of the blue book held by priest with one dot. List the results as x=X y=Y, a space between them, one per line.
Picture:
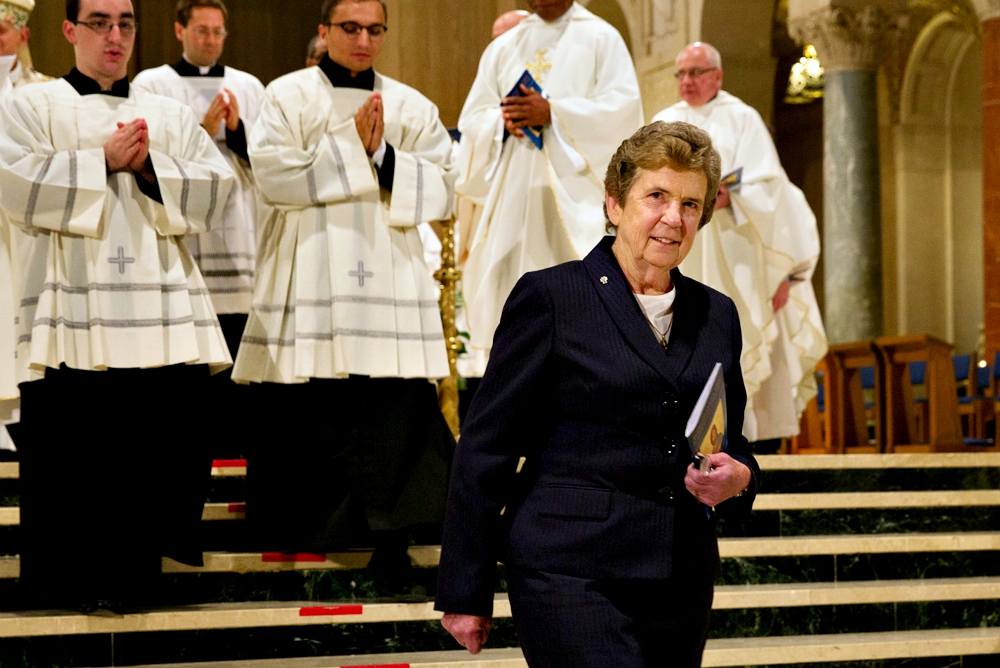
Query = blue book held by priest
x=528 y=81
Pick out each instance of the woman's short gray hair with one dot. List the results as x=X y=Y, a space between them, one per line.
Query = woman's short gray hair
x=679 y=146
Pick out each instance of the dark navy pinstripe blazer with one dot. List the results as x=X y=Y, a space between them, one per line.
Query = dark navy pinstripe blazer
x=578 y=384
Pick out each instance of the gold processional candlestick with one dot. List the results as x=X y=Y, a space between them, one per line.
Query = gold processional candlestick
x=448 y=276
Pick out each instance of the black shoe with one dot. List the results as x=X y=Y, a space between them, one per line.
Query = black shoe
x=102 y=607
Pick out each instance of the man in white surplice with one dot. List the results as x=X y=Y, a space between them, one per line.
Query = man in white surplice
x=540 y=207
x=227 y=101
x=760 y=249
x=117 y=332
x=345 y=316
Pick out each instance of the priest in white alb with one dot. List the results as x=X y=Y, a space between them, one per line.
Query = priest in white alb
x=117 y=333
x=760 y=249
x=227 y=101
x=345 y=335
x=541 y=206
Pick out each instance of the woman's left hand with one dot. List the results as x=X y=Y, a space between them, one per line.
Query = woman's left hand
x=725 y=479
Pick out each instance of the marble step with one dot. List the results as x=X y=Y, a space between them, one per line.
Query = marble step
x=11 y=516
x=304 y=613
x=718 y=653
x=729 y=548
x=222 y=468
x=879 y=461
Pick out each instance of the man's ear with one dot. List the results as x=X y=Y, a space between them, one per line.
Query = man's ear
x=69 y=30
x=323 y=32
x=179 y=32
x=25 y=34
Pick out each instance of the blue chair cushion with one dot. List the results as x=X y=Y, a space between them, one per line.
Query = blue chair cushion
x=868 y=377
x=918 y=371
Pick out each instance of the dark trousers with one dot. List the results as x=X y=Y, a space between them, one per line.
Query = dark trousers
x=571 y=622
x=232 y=426
x=114 y=475
x=346 y=458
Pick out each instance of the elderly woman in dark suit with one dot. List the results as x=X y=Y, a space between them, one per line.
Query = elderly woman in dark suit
x=606 y=532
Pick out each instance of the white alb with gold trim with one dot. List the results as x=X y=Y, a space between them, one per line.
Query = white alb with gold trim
x=341 y=283
x=107 y=282
x=769 y=232
x=541 y=208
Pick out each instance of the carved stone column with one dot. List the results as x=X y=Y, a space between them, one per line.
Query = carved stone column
x=849 y=37
x=989 y=14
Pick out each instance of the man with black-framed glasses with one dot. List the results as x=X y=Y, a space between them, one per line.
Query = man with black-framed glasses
x=117 y=333
x=345 y=337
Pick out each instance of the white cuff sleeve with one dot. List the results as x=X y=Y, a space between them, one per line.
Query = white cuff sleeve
x=379 y=155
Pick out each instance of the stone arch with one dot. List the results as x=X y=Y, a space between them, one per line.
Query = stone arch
x=939 y=220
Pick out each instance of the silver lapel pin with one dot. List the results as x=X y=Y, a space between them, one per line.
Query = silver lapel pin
x=604 y=280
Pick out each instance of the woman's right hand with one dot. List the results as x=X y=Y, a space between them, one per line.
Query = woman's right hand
x=471 y=631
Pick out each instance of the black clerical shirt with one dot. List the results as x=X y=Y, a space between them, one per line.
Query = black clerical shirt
x=236 y=140
x=341 y=77
x=84 y=85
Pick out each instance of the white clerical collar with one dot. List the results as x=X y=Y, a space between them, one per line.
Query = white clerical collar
x=203 y=71
x=15 y=74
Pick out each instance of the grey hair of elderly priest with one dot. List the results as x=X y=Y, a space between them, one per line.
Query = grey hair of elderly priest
x=326 y=11
x=680 y=146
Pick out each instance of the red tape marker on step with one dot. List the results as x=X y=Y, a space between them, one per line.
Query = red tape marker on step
x=237 y=507
x=282 y=558
x=330 y=610
x=229 y=463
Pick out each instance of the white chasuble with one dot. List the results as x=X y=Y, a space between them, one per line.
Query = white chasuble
x=226 y=254
x=341 y=283
x=541 y=208
x=767 y=234
x=106 y=279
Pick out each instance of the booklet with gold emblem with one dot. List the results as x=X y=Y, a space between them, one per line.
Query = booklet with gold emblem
x=706 y=428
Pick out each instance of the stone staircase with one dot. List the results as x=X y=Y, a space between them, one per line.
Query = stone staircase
x=871 y=561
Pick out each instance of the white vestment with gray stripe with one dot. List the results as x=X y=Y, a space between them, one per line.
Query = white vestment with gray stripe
x=107 y=281
x=341 y=283
x=225 y=254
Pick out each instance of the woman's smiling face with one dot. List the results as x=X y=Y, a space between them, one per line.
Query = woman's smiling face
x=659 y=217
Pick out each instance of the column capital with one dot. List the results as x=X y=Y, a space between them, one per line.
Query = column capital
x=987 y=10
x=847 y=35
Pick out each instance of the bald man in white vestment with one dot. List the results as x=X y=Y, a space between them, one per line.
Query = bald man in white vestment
x=117 y=333
x=345 y=335
x=760 y=249
x=540 y=207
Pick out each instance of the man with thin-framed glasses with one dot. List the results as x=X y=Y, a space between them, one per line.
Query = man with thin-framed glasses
x=345 y=336
x=227 y=101
x=117 y=333
x=760 y=250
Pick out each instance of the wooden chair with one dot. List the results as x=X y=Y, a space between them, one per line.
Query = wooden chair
x=847 y=417
x=944 y=431
x=811 y=439
x=976 y=410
